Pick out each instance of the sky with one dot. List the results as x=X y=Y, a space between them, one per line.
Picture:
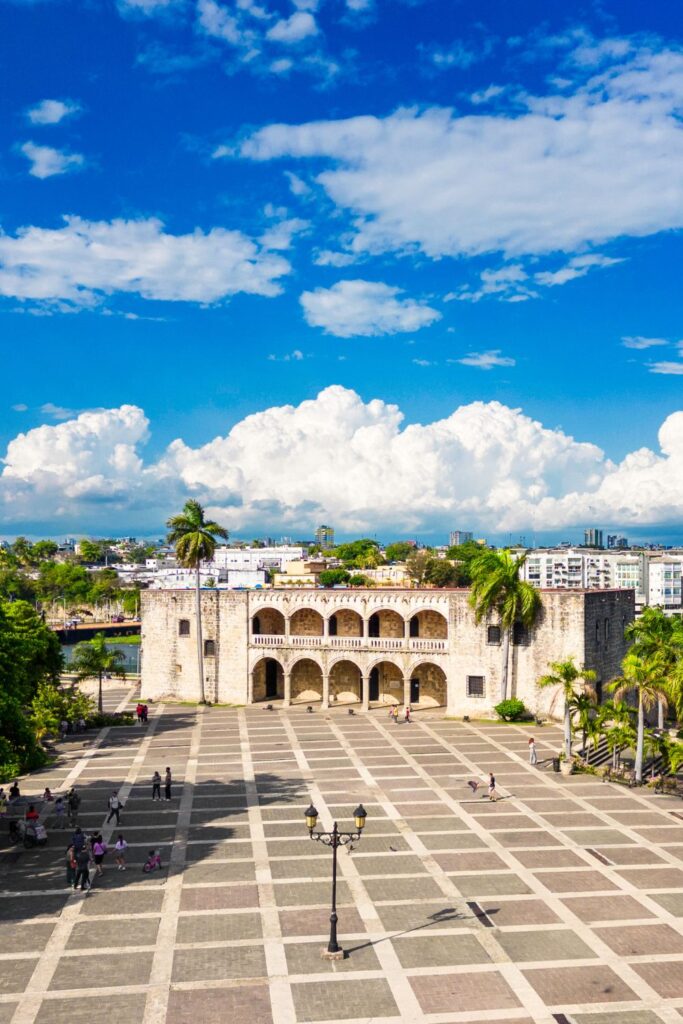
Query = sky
x=401 y=266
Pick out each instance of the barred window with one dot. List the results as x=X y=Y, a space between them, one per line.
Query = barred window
x=210 y=648
x=520 y=635
x=493 y=635
x=184 y=627
x=475 y=686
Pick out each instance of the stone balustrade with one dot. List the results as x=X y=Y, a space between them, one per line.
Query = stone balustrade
x=354 y=643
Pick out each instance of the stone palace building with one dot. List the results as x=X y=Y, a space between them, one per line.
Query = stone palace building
x=370 y=647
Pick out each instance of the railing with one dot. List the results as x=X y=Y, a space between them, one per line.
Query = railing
x=353 y=643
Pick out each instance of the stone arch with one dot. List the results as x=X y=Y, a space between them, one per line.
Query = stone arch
x=428 y=624
x=345 y=622
x=385 y=682
x=386 y=622
x=306 y=622
x=268 y=680
x=268 y=621
x=306 y=680
x=432 y=684
x=345 y=681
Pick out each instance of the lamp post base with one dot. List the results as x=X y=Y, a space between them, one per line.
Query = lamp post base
x=326 y=955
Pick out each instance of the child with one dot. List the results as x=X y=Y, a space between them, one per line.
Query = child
x=153 y=862
x=99 y=848
x=408 y=714
x=492 y=787
x=533 y=756
x=47 y=795
x=120 y=847
x=59 y=812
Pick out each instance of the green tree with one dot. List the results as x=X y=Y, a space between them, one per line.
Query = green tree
x=21 y=549
x=498 y=590
x=658 y=638
x=54 y=704
x=358 y=579
x=398 y=551
x=92 y=552
x=618 y=738
x=194 y=538
x=417 y=566
x=582 y=711
x=359 y=554
x=642 y=678
x=441 y=573
x=462 y=555
x=572 y=683
x=43 y=551
x=92 y=659
x=334 y=577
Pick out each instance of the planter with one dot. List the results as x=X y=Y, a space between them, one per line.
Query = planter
x=566 y=767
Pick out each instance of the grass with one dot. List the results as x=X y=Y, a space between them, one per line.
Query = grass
x=134 y=640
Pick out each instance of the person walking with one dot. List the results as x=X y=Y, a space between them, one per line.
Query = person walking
x=156 y=786
x=533 y=756
x=82 y=869
x=73 y=802
x=167 y=784
x=114 y=807
x=492 y=787
x=120 y=847
x=71 y=866
x=99 y=848
x=59 y=813
x=407 y=714
x=78 y=840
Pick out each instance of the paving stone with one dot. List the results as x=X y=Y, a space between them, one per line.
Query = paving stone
x=671 y=901
x=218 y=897
x=218 y=927
x=317 y=922
x=443 y=915
x=304 y=958
x=563 y=986
x=24 y=938
x=609 y=908
x=141 y=931
x=618 y=1017
x=641 y=940
x=439 y=950
x=501 y=884
x=555 y=858
x=517 y=912
x=246 y=1004
x=481 y=860
x=654 y=878
x=15 y=974
x=665 y=978
x=125 y=1007
x=630 y=855
x=124 y=904
x=309 y=894
x=7 y=1012
x=220 y=871
x=575 y=881
x=540 y=838
x=452 y=841
x=538 y=946
x=362 y=998
x=398 y=864
x=442 y=993
x=388 y=889
x=102 y=970
x=217 y=964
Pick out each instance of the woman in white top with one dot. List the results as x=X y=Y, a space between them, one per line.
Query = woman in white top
x=120 y=847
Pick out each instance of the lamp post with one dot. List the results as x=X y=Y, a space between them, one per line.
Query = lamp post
x=335 y=839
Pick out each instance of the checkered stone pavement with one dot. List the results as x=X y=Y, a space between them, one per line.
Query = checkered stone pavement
x=562 y=903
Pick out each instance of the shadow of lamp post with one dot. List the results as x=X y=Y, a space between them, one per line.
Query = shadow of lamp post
x=335 y=839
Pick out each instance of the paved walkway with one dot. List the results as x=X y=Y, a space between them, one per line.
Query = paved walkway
x=560 y=904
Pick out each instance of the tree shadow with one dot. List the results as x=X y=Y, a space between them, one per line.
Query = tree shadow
x=33 y=882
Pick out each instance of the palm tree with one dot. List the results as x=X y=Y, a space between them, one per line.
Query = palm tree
x=582 y=709
x=660 y=636
x=565 y=676
x=642 y=677
x=617 y=738
x=194 y=538
x=497 y=588
x=92 y=659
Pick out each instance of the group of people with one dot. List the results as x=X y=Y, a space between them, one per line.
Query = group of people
x=85 y=852
x=156 y=785
x=393 y=713
x=71 y=727
x=142 y=714
x=6 y=799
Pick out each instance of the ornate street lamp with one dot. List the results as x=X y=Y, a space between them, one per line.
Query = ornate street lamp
x=335 y=839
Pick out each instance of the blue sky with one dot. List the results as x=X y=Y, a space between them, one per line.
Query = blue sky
x=402 y=266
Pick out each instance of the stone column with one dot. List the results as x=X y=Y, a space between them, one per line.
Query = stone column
x=288 y=688
x=326 y=627
x=250 y=687
x=406 y=689
x=287 y=625
x=406 y=629
x=365 y=692
x=326 y=691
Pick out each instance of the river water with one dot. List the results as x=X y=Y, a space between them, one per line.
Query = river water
x=131 y=653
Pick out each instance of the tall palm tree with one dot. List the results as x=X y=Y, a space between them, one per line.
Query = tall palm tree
x=571 y=682
x=642 y=677
x=92 y=659
x=658 y=636
x=617 y=738
x=582 y=711
x=194 y=539
x=497 y=589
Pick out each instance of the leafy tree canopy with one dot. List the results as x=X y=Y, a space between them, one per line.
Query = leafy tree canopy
x=398 y=551
x=359 y=554
x=334 y=577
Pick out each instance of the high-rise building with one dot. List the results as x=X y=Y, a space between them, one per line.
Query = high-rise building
x=324 y=536
x=616 y=542
x=457 y=537
x=593 y=538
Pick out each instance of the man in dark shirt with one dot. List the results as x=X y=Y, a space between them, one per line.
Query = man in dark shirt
x=82 y=869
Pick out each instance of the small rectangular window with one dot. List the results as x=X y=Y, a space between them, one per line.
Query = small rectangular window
x=210 y=648
x=184 y=627
x=520 y=635
x=475 y=686
x=493 y=635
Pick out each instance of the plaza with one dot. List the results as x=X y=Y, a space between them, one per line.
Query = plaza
x=562 y=902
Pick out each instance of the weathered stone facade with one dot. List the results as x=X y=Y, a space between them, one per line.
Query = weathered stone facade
x=401 y=646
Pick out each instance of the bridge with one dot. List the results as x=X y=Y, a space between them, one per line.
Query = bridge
x=87 y=630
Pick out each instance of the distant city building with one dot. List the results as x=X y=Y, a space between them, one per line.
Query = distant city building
x=324 y=536
x=593 y=538
x=614 y=541
x=255 y=558
x=458 y=537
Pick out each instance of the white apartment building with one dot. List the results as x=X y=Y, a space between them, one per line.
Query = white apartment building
x=665 y=582
x=588 y=569
x=251 y=559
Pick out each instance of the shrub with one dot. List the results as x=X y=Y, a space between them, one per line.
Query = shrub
x=511 y=710
x=100 y=719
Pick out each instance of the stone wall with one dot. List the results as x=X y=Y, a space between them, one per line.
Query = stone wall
x=348 y=623
x=306 y=622
x=432 y=625
x=390 y=623
x=271 y=621
x=307 y=680
x=345 y=682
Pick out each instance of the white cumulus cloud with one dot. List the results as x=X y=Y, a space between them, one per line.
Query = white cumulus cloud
x=486 y=360
x=52 y=111
x=46 y=162
x=639 y=342
x=484 y=461
x=84 y=260
x=298 y=26
x=557 y=173
x=364 y=308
